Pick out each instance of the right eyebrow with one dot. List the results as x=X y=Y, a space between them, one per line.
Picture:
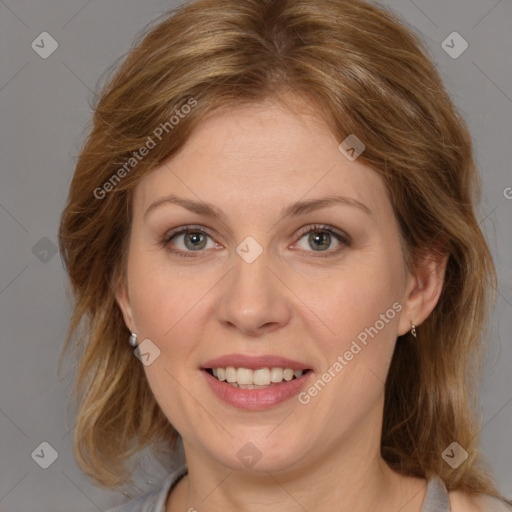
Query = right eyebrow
x=199 y=207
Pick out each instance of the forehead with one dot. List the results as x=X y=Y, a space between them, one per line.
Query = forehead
x=259 y=155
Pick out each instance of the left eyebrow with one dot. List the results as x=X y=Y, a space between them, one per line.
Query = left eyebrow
x=295 y=209
x=302 y=207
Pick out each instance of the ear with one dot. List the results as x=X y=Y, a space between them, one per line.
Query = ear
x=424 y=286
x=123 y=301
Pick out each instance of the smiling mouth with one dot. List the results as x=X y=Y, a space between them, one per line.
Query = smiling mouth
x=262 y=378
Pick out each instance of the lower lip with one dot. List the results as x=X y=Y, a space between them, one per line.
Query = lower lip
x=256 y=399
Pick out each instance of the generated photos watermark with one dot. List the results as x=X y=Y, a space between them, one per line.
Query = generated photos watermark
x=355 y=348
x=151 y=143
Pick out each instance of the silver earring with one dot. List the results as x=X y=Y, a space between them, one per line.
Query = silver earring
x=413 y=329
x=133 y=339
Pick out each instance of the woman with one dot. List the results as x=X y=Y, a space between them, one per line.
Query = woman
x=275 y=213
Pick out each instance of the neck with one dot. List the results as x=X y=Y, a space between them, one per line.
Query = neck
x=347 y=476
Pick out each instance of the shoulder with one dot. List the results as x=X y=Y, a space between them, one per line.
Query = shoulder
x=146 y=503
x=462 y=502
x=155 y=500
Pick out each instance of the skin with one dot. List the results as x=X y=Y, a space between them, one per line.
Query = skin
x=251 y=162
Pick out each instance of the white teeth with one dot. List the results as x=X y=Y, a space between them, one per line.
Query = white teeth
x=244 y=376
x=261 y=377
x=253 y=379
x=276 y=374
x=288 y=374
x=231 y=374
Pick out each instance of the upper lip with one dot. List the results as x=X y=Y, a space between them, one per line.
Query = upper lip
x=254 y=362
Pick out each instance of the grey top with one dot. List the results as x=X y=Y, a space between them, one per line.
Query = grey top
x=436 y=498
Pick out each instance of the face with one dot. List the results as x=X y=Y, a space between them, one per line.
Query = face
x=322 y=283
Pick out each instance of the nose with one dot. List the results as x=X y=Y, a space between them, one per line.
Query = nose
x=253 y=299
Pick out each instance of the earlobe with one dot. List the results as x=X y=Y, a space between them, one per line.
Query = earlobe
x=424 y=288
x=123 y=301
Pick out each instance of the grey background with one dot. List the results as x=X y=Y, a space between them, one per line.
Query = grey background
x=44 y=112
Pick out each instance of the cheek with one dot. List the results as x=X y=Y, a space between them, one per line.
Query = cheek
x=356 y=337
x=353 y=296
x=172 y=306
x=160 y=297
x=358 y=326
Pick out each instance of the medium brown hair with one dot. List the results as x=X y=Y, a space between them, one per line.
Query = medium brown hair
x=370 y=76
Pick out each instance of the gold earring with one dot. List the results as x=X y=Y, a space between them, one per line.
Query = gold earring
x=413 y=329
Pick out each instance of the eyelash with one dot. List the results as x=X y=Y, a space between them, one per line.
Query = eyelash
x=322 y=228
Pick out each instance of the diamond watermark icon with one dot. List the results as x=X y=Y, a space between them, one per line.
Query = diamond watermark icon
x=44 y=45
x=249 y=454
x=44 y=250
x=249 y=249
x=146 y=352
x=454 y=455
x=44 y=455
x=352 y=147
x=454 y=45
